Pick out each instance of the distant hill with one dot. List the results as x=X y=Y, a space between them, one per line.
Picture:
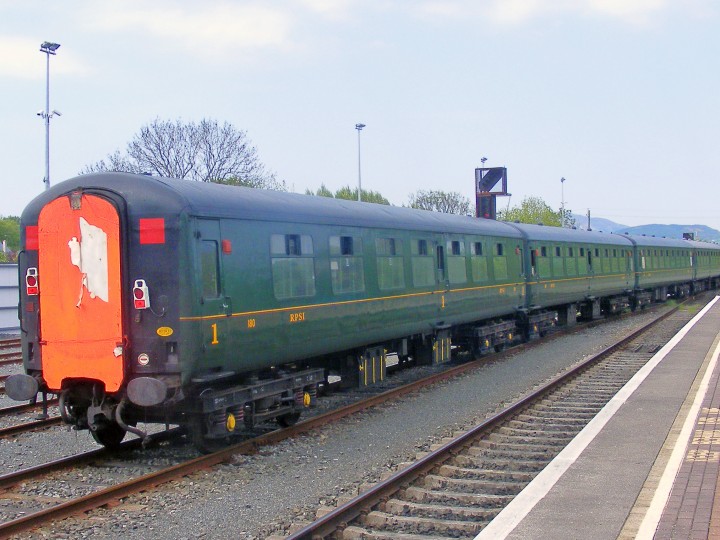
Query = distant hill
x=702 y=232
x=599 y=224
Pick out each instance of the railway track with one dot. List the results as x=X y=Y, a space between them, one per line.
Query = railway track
x=10 y=358
x=29 y=426
x=25 y=407
x=10 y=355
x=109 y=494
x=461 y=485
x=12 y=343
x=10 y=351
x=17 y=418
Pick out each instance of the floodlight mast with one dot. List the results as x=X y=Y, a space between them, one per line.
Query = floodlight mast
x=48 y=48
x=359 y=129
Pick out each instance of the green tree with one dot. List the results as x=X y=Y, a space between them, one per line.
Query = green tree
x=322 y=191
x=441 y=201
x=535 y=210
x=10 y=233
x=349 y=194
x=205 y=151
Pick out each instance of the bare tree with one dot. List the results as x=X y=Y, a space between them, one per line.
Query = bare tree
x=204 y=151
x=441 y=201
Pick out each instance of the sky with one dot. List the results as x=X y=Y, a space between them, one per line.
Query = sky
x=619 y=97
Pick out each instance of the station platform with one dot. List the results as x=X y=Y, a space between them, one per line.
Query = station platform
x=647 y=465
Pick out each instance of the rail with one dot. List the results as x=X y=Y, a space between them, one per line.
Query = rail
x=332 y=523
x=251 y=446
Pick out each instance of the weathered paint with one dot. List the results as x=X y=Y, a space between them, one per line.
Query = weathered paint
x=79 y=250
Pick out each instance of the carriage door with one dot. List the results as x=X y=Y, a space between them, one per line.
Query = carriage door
x=440 y=263
x=215 y=306
x=80 y=291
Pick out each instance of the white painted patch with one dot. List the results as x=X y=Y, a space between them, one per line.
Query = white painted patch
x=90 y=255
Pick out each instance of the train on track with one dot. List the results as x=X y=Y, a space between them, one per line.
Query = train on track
x=147 y=299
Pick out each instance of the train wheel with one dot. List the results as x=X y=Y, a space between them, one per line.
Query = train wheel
x=197 y=431
x=109 y=434
x=287 y=420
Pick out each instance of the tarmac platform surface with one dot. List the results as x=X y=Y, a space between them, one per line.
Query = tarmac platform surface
x=647 y=465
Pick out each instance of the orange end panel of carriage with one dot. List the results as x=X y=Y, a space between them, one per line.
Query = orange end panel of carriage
x=80 y=291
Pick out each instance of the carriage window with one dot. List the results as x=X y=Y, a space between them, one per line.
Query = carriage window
x=571 y=253
x=390 y=263
x=543 y=251
x=455 y=247
x=293 y=266
x=422 y=247
x=291 y=245
x=345 y=245
x=209 y=269
x=346 y=264
x=388 y=247
x=422 y=264
x=478 y=263
x=597 y=252
x=558 y=252
x=499 y=249
x=582 y=252
x=457 y=267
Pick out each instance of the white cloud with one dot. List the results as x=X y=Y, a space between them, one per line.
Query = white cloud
x=20 y=58
x=631 y=11
x=521 y=11
x=334 y=9
x=203 y=28
x=516 y=11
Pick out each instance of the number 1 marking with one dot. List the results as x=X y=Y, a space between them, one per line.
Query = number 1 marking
x=215 y=335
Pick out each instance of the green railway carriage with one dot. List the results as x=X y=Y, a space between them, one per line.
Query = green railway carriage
x=167 y=300
x=569 y=267
x=155 y=300
x=662 y=266
x=706 y=262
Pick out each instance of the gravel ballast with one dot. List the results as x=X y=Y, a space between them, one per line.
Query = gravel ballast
x=256 y=496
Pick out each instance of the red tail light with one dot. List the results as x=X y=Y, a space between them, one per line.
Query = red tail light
x=31 y=282
x=141 y=296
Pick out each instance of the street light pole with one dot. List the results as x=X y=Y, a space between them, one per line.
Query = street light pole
x=48 y=48
x=562 y=201
x=359 y=129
